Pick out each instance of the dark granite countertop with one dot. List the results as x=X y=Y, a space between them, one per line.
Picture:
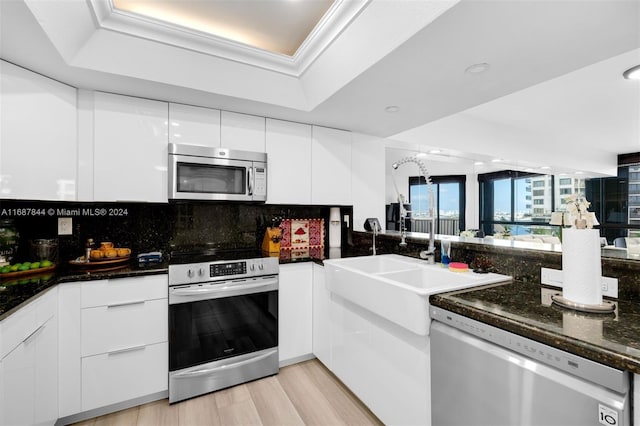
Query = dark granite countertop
x=16 y=292
x=525 y=309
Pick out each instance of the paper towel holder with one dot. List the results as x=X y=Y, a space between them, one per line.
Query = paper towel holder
x=605 y=307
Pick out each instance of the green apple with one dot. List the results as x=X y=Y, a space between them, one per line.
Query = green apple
x=15 y=267
x=34 y=265
x=45 y=263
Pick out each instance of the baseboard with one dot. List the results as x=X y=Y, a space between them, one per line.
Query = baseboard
x=295 y=360
x=96 y=412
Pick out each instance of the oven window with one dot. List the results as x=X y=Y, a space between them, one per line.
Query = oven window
x=214 y=329
x=210 y=179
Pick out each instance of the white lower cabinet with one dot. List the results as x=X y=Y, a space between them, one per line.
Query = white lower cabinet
x=295 y=329
x=321 y=317
x=114 y=335
x=29 y=365
x=386 y=366
x=126 y=374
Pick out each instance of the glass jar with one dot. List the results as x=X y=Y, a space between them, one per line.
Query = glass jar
x=9 y=240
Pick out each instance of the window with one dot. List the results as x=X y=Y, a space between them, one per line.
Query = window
x=449 y=204
x=564 y=181
x=507 y=203
x=566 y=191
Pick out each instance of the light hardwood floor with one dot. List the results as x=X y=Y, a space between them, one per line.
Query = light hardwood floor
x=300 y=394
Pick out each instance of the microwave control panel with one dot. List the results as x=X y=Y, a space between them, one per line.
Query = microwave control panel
x=260 y=181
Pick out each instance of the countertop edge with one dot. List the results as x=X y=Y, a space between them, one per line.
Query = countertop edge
x=572 y=345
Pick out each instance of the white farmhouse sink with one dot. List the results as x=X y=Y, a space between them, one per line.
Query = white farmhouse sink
x=397 y=287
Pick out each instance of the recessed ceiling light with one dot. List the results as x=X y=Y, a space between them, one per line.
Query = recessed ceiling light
x=392 y=108
x=434 y=151
x=497 y=160
x=478 y=163
x=545 y=167
x=632 y=73
x=477 y=68
x=421 y=154
x=579 y=173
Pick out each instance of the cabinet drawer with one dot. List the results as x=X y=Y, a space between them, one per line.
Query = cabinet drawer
x=123 y=290
x=121 y=376
x=122 y=326
x=27 y=320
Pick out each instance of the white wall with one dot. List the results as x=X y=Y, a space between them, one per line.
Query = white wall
x=367 y=179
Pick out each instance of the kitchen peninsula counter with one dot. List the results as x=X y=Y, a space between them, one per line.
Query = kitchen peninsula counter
x=525 y=309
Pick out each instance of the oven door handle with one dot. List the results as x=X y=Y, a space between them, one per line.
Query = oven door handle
x=241 y=287
x=207 y=371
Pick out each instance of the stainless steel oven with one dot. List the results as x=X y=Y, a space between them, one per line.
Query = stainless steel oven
x=207 y=173
x=223 y=324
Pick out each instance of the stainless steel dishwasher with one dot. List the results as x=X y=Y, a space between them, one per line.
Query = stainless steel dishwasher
x=483 y=375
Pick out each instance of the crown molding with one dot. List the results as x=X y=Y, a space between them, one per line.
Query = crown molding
x=333 y=23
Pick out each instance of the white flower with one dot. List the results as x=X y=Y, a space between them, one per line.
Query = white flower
x=578 y=209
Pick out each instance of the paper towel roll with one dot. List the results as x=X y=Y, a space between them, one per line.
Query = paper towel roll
x=581 y=268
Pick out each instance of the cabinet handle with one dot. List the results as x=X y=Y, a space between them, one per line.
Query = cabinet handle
x=33 y=333
x=121 y=351
x=117 y=305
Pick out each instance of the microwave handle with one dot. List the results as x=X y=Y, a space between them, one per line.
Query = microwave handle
x=250 y=179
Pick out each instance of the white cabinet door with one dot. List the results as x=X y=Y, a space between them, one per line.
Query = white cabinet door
x=130 y=149
x=69 y=366
x=194 y=125
x=321 y=317
x=29 y=371
x=123 y=375
x=38 y=136
x=331 y=167
x=294 y=312
x=145 y=321
x=289 y=162
x=18 y=371
x=124 y=290
x=242 y=131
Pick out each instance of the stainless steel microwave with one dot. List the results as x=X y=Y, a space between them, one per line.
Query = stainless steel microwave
x=207 y=173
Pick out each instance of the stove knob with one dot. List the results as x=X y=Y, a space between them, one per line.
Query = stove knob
x=190 y=273
x=261 y=266
x=201 y=272
x=252 y=267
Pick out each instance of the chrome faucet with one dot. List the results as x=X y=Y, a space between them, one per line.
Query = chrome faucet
x=430 y=253
x=372 y=224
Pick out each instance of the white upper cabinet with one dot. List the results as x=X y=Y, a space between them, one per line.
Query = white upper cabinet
x=331 y=166
x=242 y=131
x=289 y=162
x=194 y=125
x=130 y=149
x=38 y=141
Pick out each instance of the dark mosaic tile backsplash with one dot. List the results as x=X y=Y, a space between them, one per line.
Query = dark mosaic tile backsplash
x=145 y=227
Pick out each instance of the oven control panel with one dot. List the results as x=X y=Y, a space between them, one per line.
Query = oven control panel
x=222 y=270
x=228 y=268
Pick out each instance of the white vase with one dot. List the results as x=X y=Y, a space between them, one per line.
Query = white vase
x=581 y=267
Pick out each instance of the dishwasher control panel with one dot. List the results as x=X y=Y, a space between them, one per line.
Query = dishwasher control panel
x=610 y=377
